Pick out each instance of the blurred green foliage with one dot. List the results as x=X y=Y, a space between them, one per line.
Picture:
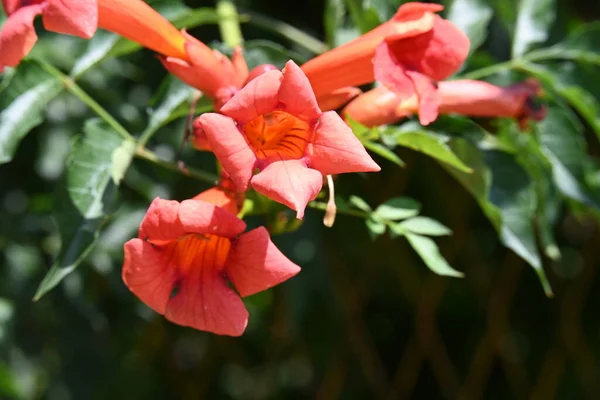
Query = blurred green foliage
x=365 y=318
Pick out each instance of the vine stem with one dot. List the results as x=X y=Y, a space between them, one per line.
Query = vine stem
x=517 y=63
x=148 y=155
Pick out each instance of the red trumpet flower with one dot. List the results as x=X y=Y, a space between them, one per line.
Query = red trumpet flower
x=407 y=54
x=184 y=257
x=274 y=125
x=467 y=97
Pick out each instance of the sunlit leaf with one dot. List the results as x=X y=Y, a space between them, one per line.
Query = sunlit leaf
x=97 y=162
x=359 y=203
x=397 y=208
x=423 y=226
x=23 y=105
x=432 y=145
x=431 y=256
x=534 y=20
x=384 y=152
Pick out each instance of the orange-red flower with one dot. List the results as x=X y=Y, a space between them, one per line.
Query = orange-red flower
x=274 y=125
x=17 y=37
x=183 y=55
x=467 y=97
x=186 y=254
x=407 y=54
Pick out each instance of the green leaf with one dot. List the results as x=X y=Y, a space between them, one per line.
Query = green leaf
x=433 y=145
x=359 y=203
x=97 y=162
x=506 y=195
x=534 y=20
x=375 y=227
x=567 y=84
x=366 y=15
x=23 y=102
x=384 y=152
x=176 y=93
x=472 y=17
x=333 y=19
x=430 y=254
x=266 y=52
x=423 y=226
x=582 y=45
x=397 y=208
x=563 y=143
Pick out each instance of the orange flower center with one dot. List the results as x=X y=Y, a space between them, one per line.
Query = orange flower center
x=278 y=136
x=196 y=253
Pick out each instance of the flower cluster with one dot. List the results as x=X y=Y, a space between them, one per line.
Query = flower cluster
x=272 y=130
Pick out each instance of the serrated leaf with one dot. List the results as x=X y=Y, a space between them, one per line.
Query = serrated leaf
x=431 y=256
x=424 y=226
x=505 y=193
x=176 y=93
x=97 y=161
x=534 y=20
x=359 y=203
x=397 y=208
x=23 y=102
x=384 y=152
x=432 y=145
x=472 y=17
x=563 y=143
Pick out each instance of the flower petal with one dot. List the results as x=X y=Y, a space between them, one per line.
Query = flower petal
x=169 y=219
x=390 y=72
x=289 y=182
x=258 y=97
x=72 y=17
x=297 y=95
x=429 y=100
x=256 y=264
x=198 y=216
x=230 y=147
x=204 y=301
x=336 y=150
x=17 y=36
x=147 y=274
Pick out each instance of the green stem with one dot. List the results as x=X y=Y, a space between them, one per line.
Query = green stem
x=78 y=92
x=229 y=23
x=191 y=172
x=517 y=63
